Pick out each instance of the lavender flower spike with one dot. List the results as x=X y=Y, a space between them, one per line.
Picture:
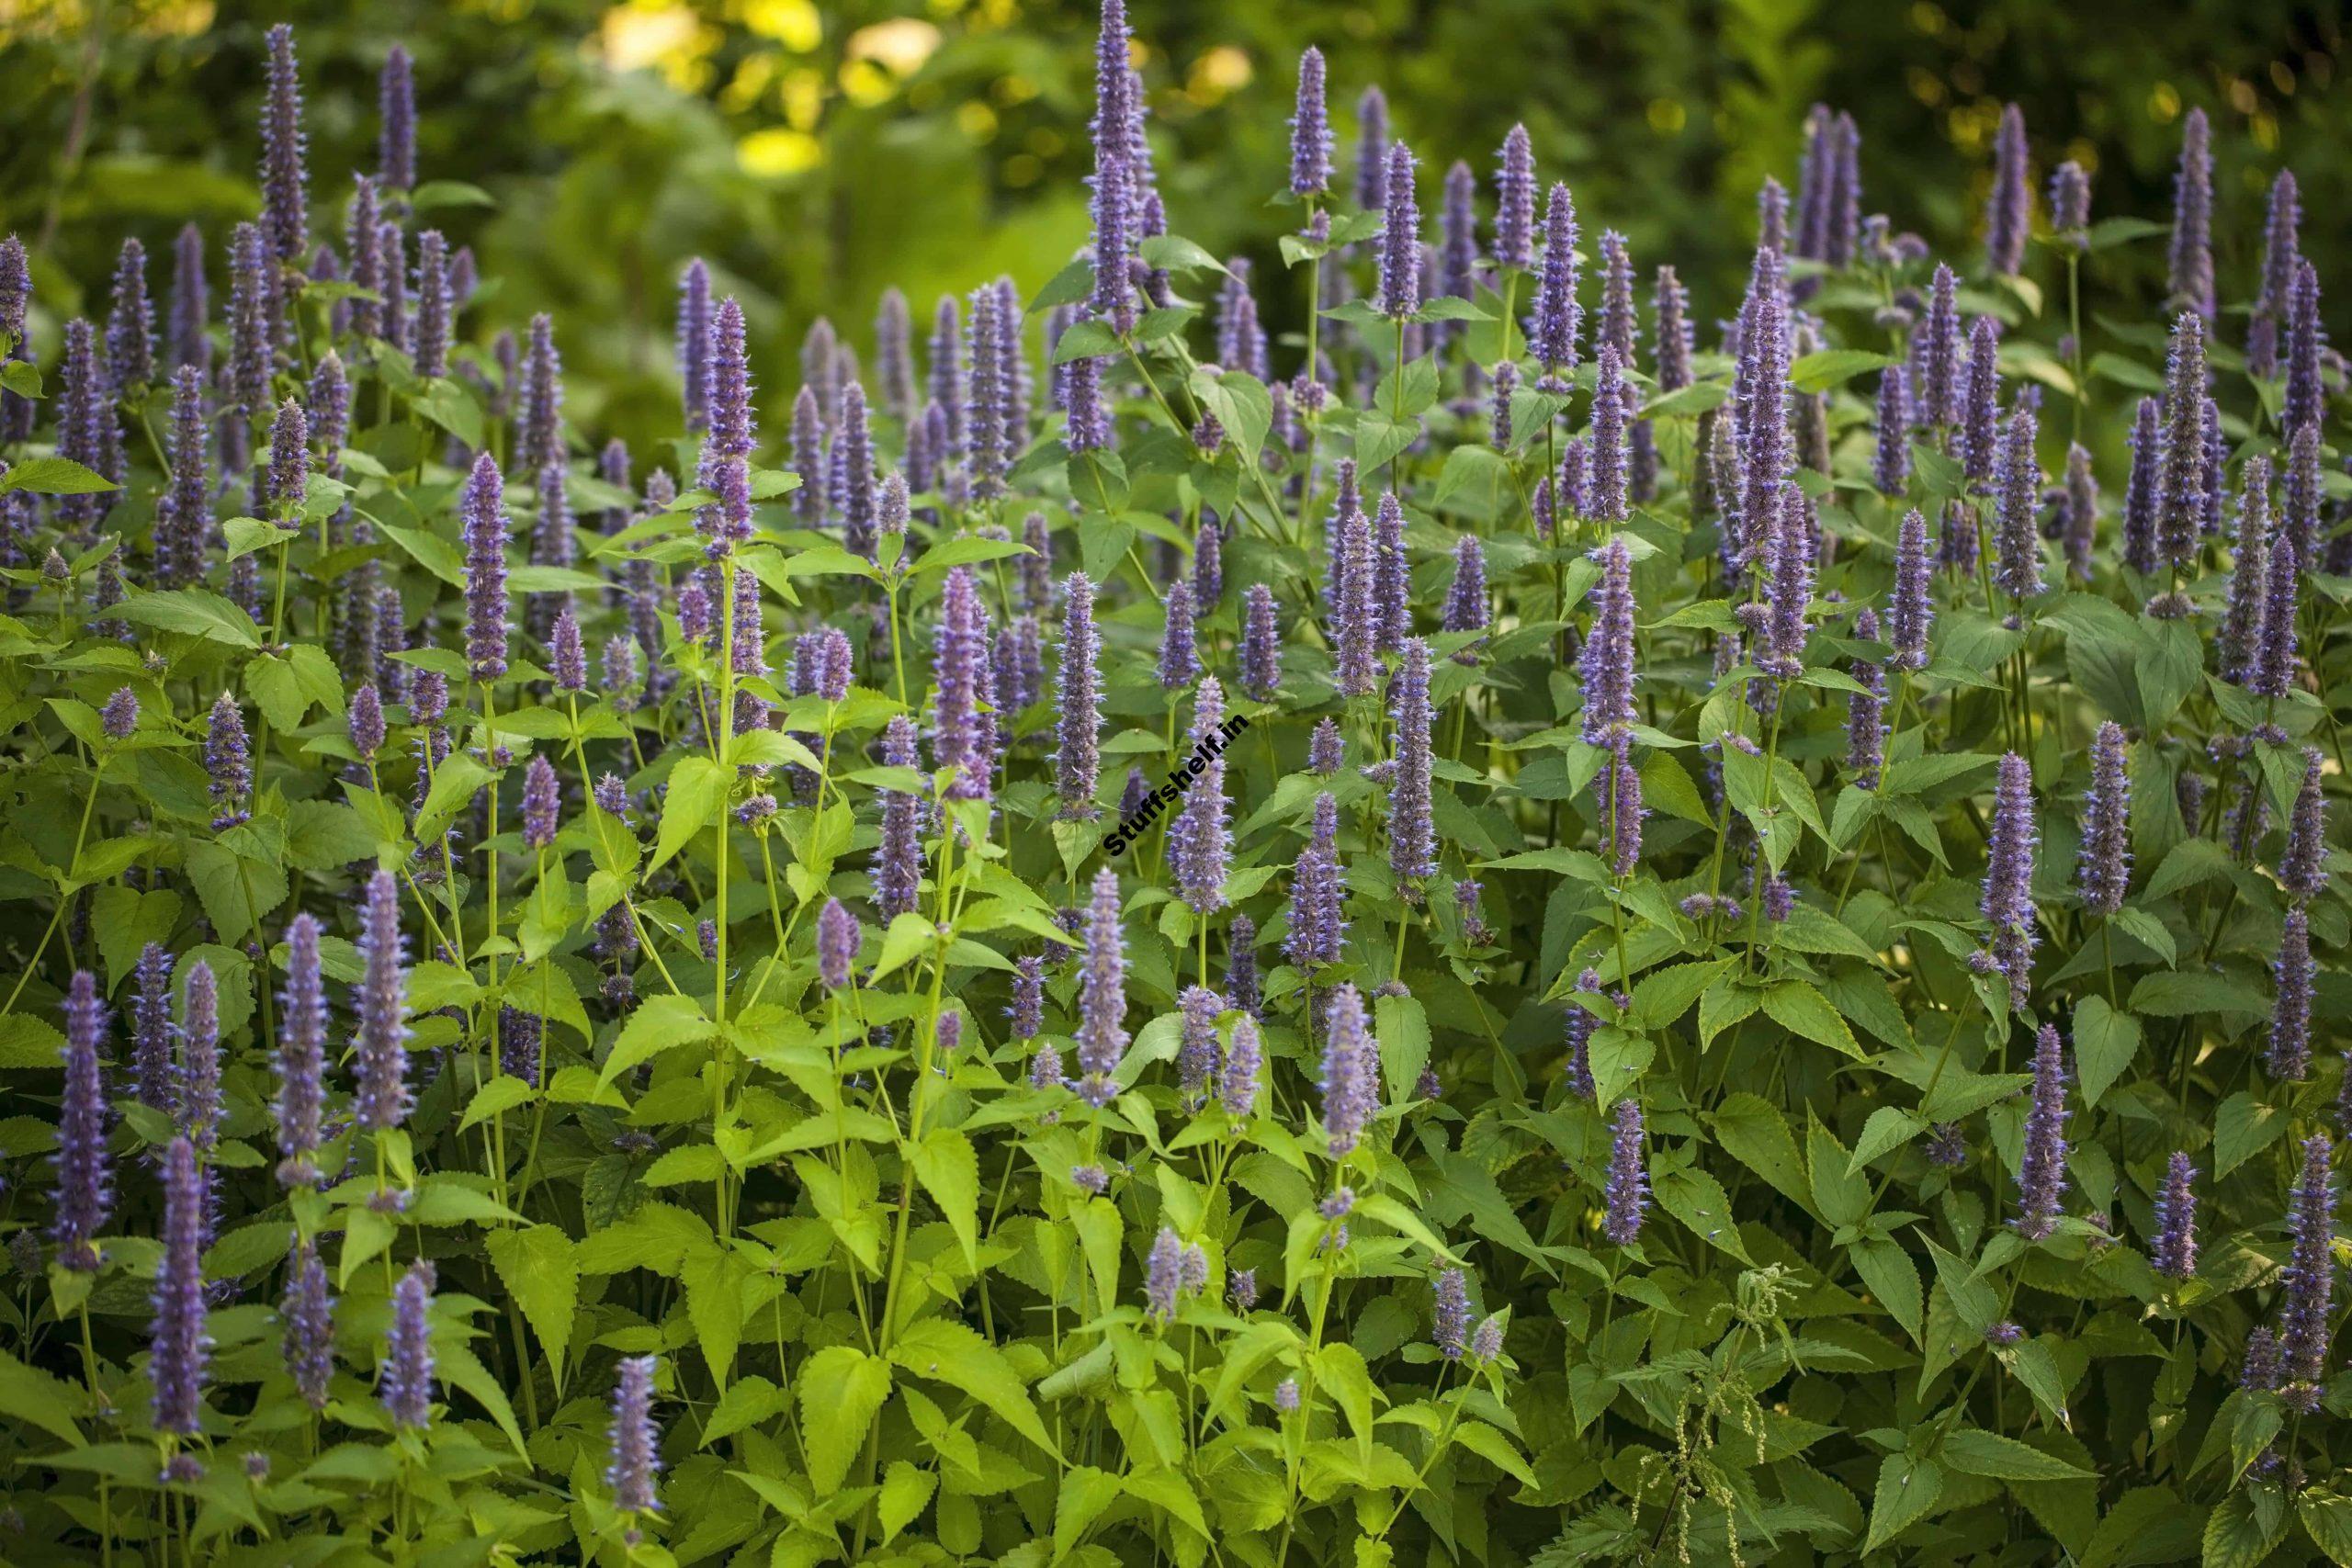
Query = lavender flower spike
x=2008 y=212
x=1451 y=1322
x=396 y=122
x=302 y=1057
x=1515 y=202
x=1626 y=1196
x=285 y=187
x=1102 y=993
x=380 y=1044
x=482 y=508
x=634 y=1442
x=1350 y=1073
x=1607 y=659
x=1238 y=1082
x=181 y=1348
x=962 y=735
x=2174 y=1253
x=2288 y=1056
x=1077 y=757
x=1400 y=239
x=404 y=1375
x=2310 y=1277
x=1412 y=833
x=1912 y=611
x=1200 y=844
x=155 y=1077
x=307 y=1313
x=1553 y=333
x=1310 y=130
x=2190 y=263
x=1318 y=891
x=1261 y=652
x=2104 y=869
x=2302 y=869
x=2007 y=901
x=2041 y=1173
x=84 y=1198
x=228 y=760
x=2018 y=539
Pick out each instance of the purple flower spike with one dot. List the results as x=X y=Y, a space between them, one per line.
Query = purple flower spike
x=2180 y=498
x=1310 y=130
x=1515 y=202
x=1180 y=660
x=396 y=121
x=1318 y=889
x=1891 y=471
x=84 y=1196
x=1626 y=1197
x=191 y=314
x=2104 y=869
x=2288 y=1055
x=1392 y=585
x=1238 y=1082
x=2190 y=263
x=2042 y=1172
x=2174 y=1253
x=228 y=760
x=1102 y=993
x=1325 y=748
x=380 y=1044
x=1372 y=146
x=897 y=869
x=1412 y=833
x=1451 y=1327
x=307 y=1315
x=2310 y=1275
x=197 y=1108
x=404 y=1375
x=1465 y=600
x=1400 y=238
x=1980 y=398
x=2305 y=398
x=1351 y=1080
x=285 y=186
x=2142 y=488
x=131 y=321
x=155 y=1074
x=1621 y=808
x=962 y=735
x=1913 y=610
x=181 y=1347
x=634 y=1443
x=542 y=803
x=302 y=1057
x=2017 y=535
x=2273 y=672
x=837 y=944
x=1607 y=659
x=1261 y=652
x=482 y=508
x=183 y=527
x=2007 y=901
x=1076 y=756
x=693 y=343
x=1197 y=1054
x=539 y=439
x=2302 y=870
x=1577 y=1069
x=1553 y=333
x=1200 y=844
x=2008 y=212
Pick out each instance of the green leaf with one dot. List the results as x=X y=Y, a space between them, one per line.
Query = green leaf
x=1403 y=1029
x=2238 y=1534
x=1798 y=1007
x=906 y=1490
x=32 y=1396
x=840 y=1389
x=2326 y=1518
x=195 y=611
x=1907 y=1490
x=661 y=1023
x=1974 y=1452
x=2105 y=1043
x=53 y=475
x=955 y=1354
x=749 y=1401
x=540 y=1268
x=2244 y=1127
x=1890 y=1127
x=1819 y=372
x=698 y=789
x=1753 y=1132
x=950 y=1171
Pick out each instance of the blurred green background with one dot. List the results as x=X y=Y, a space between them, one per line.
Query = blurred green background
x=817 y=153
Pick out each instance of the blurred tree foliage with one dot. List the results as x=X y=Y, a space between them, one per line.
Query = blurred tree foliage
x=816 y=152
